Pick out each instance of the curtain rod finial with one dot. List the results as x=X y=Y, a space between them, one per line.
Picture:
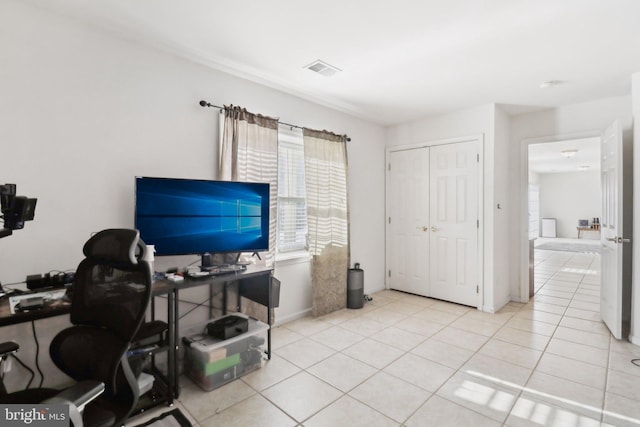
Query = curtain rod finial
x=204 y=104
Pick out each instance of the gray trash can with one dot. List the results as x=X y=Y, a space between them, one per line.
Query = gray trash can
x=355 y=287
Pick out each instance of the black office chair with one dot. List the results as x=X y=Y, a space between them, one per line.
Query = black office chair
x=110 y=295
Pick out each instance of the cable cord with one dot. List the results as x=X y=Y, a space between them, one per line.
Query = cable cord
x=35 y=338
x=635 y=362
x=33 y=374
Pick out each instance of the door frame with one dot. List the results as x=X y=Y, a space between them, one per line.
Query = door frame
x=479 y=138
x=524 y=200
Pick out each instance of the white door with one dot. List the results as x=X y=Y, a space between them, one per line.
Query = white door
x=611 y=230
x=408 y=221
x=454 y=222
x=432 y=228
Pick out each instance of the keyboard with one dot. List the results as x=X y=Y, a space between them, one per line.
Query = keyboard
x=217 y=271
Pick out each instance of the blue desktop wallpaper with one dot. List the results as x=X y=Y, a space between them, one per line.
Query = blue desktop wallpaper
x=182 y=216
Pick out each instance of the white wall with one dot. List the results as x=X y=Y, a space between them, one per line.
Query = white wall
x=82 y=112
x=569 y=197
x=473 y=121
x=570 y=120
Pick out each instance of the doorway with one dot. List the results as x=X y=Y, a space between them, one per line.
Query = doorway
x=564 y=212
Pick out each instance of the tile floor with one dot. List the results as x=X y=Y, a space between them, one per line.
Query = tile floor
x=405 y=360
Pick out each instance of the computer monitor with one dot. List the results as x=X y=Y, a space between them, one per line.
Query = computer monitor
x=190 y=216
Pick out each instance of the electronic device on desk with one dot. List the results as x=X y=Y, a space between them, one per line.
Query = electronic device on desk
x=227 y=327
x=213 y=219
x=15 y=209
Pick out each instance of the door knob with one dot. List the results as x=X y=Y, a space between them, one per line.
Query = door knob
x=423 y=228
x=612 y=239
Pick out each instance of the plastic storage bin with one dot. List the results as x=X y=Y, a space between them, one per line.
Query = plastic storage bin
x=211 y=362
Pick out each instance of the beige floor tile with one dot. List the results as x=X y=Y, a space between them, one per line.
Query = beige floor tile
x=513 y=353
x=573 y=370
x=373 y=353
x=624 y=385
x=363 y=326
x=478 y=394
x=587 y=298
x=305 y=352
x=419 y=326
x=539 y=316
x=393 y=397
x=496 y=370
x=621 y=362
x=585 y=325
x=443 y=353
x=342 y=372
x=339 y=316
x=382 y=315
x=272 y=372
x=202 y=405
x=581 y=352
x=582 y=337
x=460 y=338
x=523 y=338
x=548 y=291
x=533 y=326
x=398 y=338
x=421 y=372
x=253 y=411
x=563 y=393
x=546 y=307
x=594 y=316
x=347 y=411
x=438 y=316
x=302 y=395
x=480 y=327
x=308 y=326
x=563 y=302
x=585 y=305
x=531 y=412
x=281 y=336
x=450 y=307
x=621 y=411
x=406 y=308
x=336 y=338
x=443 y=413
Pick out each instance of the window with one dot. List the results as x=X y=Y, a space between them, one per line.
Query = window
x=292 y=208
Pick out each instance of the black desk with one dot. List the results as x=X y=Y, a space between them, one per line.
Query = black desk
x=253 y=283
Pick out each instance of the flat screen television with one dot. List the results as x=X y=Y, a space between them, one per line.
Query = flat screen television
x=189 y=216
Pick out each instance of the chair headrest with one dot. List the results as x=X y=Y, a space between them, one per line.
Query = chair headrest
x=115 y=245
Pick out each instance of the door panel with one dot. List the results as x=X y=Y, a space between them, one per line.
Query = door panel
x=454 y=229
x=611 y=230
x=408 y=213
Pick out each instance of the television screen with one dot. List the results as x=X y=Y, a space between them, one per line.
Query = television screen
x=186 y=216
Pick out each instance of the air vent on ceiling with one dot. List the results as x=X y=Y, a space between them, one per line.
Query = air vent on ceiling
x=323 y=68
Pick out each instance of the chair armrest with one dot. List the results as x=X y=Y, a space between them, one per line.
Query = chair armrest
x=8 y=348
x=77 y=397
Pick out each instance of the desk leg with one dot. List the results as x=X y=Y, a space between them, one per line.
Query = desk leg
x=269 y=320
x=172 y=363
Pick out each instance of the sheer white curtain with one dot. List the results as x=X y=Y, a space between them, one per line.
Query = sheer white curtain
x=328 y=218
x=249 y=152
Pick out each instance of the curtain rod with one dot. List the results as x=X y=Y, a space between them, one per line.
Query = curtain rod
x=206 y=104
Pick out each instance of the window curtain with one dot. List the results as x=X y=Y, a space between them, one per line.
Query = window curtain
x=328 y=218
x=249 y=153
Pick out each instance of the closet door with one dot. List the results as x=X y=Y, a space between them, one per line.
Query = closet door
x=454 y=222
x=408 y=221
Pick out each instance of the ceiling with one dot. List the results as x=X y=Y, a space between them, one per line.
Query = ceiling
x=401 y=60
x=547 y=157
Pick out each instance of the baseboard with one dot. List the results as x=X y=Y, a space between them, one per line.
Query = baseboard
x=634 y=339
x=292 y=317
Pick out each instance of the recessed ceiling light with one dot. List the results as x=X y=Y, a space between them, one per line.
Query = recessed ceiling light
x=568 y=153
x=323 y=68
x=551 y=83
